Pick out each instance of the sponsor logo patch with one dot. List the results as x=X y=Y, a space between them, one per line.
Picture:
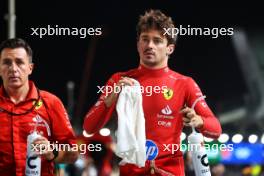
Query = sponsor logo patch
x=167 y=93
x=152 y=150
x=38 y=104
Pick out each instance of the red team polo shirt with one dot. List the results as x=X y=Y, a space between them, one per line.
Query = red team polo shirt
x=15 y=129
x=163 y=119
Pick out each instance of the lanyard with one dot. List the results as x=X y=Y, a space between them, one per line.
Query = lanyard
x=26 y=111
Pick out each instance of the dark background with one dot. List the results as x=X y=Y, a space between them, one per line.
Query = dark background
x=211 y=62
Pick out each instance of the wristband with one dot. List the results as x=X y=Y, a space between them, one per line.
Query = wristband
x=55 y=153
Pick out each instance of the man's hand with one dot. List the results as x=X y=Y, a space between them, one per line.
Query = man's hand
x=124 y=81
x=43 y=148
x=190 y=118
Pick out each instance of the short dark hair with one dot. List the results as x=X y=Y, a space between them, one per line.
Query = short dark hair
x=17 y=43
x=155 y=19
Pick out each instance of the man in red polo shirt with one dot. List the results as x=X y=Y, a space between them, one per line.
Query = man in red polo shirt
x=166 y=109
x=22 y=105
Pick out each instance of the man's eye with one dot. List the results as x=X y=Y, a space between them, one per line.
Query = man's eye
x=145 y=40
x=19 y=62
x=7 y=62
x=157 y=41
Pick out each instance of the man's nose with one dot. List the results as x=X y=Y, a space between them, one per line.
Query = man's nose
x=13 y=67
x=150 y=44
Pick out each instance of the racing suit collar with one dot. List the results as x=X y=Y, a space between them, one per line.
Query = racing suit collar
x=32 y=93
x=153 y=72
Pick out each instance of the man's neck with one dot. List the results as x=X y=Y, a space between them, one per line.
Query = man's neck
x=160 y=65
x=154 y=67
x=18 y=95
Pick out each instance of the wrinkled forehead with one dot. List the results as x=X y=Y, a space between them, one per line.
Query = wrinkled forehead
x=13 y=53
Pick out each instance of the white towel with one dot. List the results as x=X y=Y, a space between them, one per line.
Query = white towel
x=131 y=136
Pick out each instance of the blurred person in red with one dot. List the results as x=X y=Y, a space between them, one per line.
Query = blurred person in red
x=22 y=108
x=167 y=111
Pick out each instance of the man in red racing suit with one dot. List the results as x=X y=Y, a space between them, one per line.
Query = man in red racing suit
x=167 y=98
x=22 y=106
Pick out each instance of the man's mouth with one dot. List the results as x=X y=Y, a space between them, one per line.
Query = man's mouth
x=13 y=78
x=149 y=53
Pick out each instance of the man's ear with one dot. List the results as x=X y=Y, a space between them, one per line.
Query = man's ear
x=170 y=49
x=31 y=67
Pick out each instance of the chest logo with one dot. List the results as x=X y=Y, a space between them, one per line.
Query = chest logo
x=38 y=104
x=166 y=113
x=167 y=93
x=39 y=121
x=166 y=110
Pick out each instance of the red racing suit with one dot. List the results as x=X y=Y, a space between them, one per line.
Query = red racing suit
x=163 y=120
x=54 y=125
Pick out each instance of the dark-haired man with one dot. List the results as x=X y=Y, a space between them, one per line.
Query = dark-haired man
x=165 y=111
x=23 y=108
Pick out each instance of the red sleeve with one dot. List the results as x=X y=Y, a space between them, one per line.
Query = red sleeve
x=99 y=114
x=61 y=127
x=211 y=127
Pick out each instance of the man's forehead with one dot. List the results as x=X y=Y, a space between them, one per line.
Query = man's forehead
x=152 y=33
x=14 y=52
